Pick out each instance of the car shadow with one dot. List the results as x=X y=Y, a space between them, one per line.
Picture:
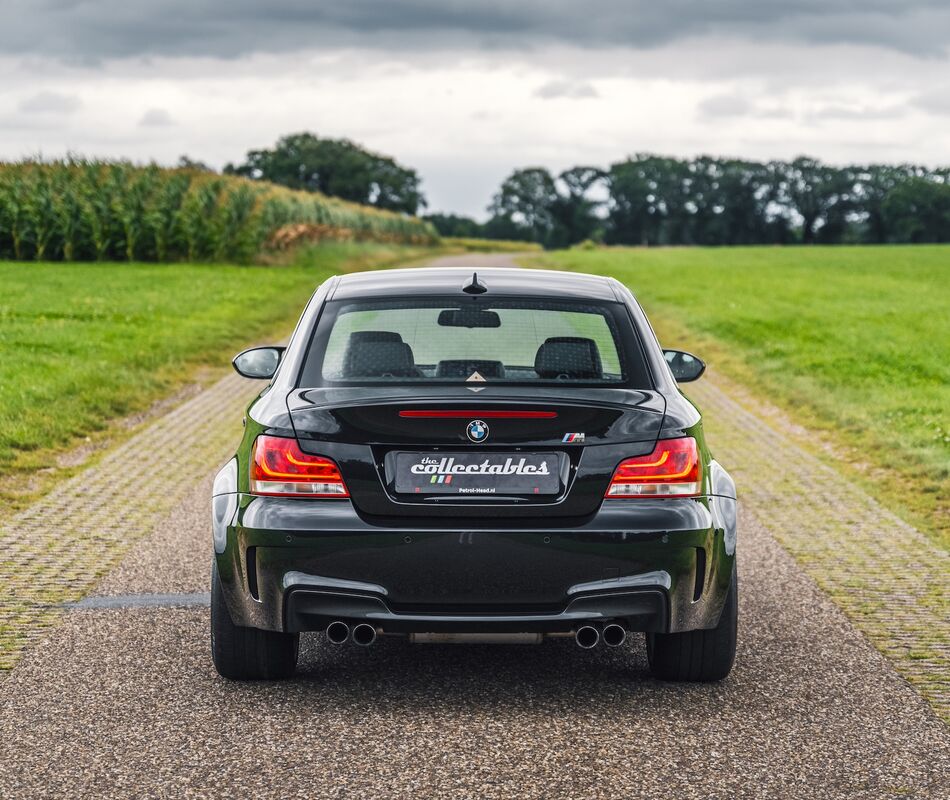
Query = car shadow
x=555 y=675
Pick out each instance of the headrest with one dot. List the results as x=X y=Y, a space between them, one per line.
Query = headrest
x=375 y=336
x=572 y=357
x=462 y=368
x=359 y=338
x=372 y=358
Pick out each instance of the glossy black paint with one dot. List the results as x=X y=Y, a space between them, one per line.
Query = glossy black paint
x=407 y=563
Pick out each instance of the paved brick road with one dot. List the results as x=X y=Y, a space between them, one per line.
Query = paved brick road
x=887 y=576
x=54 y=551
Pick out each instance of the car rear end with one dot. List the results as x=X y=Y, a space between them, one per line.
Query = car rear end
x=453 y=465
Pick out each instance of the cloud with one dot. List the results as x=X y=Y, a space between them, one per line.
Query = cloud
x=725 y=105
x=562 y=88
x=50 y=103
x=774 y=113
x=936 y=101
x=848 y=112
x=88 y=30
x=156 y=118
x=443 y=86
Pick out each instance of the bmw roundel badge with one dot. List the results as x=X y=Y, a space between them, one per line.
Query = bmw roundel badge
x=477 y=431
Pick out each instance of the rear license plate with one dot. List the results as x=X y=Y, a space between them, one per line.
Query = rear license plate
x=478 y=473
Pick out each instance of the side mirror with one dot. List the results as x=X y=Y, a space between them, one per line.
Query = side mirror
x=258 y=362
x=685 y=366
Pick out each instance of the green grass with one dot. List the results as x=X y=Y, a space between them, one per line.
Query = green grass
x=853 y=341
x=83 y=344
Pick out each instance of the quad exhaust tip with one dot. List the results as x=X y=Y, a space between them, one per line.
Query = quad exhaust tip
x=364 y=634
x=587 y=637
x=614 y=635
x=338 y=632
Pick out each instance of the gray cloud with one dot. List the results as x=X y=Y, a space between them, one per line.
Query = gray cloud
x=575 y=90
x=156 y=118
x=90 y=30
x=857 y=112
x=774 y=113
x=936 y=101
x=725 y=105
x=50 y=103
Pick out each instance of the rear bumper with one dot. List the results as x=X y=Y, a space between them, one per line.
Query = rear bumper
x=308 y=609
x=652 y=565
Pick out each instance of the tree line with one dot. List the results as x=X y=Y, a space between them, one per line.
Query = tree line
x=655 y=200
x=335 y=168
x=643 y=200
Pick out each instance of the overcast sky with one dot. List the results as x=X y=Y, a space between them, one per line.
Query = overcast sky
x=467 y=91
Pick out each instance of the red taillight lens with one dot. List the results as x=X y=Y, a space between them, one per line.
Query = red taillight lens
x=671 y=470
x=280 y=467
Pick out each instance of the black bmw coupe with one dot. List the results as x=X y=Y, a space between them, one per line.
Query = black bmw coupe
x=448 y=456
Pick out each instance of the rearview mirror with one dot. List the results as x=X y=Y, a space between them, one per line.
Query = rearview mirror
x=258 y=362
x=465 y=318
x=685 y=366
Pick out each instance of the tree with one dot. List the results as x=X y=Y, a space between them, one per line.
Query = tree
x=732 y=202
x=633 y=209
x=873 y=185
x=555 y=212
x=574 y=211
x=658 y=200
x=455 y=225
x=526 y=200
x=917 y=210
x=821 y=196
x=335 y=167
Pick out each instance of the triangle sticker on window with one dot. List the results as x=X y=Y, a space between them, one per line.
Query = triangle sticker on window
x=475 y=377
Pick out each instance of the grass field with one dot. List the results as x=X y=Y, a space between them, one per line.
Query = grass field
x=853 y=341
x=85 y=343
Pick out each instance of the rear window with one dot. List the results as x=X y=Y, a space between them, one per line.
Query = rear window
x=474 y=340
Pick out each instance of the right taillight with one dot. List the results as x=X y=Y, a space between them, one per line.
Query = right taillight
x=671 y=470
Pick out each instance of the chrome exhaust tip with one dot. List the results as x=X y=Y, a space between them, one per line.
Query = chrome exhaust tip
x=364 y=634
x=587 y=637
x=338 y=632
x=614 y=635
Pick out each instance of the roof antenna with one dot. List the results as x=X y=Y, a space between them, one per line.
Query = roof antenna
x=475 y=287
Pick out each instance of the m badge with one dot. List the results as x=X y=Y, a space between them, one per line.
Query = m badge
x=573 y=438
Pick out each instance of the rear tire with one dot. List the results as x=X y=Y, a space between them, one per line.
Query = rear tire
x=244 y=654
x=703 y=655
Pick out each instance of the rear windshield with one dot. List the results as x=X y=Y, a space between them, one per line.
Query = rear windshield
x=474 y=340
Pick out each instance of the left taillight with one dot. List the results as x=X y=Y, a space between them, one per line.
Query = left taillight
x=279 y=467
x=671 y=470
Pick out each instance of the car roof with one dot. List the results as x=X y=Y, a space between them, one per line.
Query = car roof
x=498 y=281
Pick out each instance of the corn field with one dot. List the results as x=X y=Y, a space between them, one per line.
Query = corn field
x=78 y=210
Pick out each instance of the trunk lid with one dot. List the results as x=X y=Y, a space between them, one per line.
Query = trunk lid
x=374 y=434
